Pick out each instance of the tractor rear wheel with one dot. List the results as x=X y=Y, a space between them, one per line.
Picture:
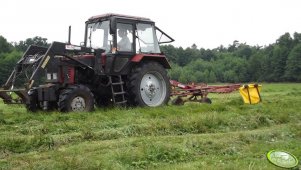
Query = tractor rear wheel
x=76 y=98
x=148 y=85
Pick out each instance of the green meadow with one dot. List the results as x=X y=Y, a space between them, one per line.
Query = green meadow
x=226 y=134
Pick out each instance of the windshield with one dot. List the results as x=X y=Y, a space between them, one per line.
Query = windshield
x=147 y=40
x=98 y=35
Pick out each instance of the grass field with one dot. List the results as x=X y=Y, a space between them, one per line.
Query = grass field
x=224 y=135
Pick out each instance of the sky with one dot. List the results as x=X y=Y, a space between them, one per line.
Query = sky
x=206 y=23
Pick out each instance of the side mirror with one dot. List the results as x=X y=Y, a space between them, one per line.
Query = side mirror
x=113 y=25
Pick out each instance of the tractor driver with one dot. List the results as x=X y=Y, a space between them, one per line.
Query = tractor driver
x=124 y=44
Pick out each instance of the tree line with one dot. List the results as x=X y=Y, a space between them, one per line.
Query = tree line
x=239 y=62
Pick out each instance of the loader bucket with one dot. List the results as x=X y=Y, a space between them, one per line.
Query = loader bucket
x=16 y=96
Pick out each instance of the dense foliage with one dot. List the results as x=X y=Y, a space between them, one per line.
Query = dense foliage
x=238 y=62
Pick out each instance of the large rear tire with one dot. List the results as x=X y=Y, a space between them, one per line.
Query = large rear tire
x=148 y=85
x=76 y=98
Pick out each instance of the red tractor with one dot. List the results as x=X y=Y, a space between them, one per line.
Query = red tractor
x=119 y=62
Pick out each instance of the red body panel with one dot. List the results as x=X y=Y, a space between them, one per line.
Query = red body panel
x=156 y=57
x=71 y=74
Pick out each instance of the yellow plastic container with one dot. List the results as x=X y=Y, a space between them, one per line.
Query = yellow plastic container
x=250 y=93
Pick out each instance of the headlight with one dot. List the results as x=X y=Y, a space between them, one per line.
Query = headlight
x=48 y=76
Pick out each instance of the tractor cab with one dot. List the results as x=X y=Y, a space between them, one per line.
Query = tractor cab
x=124 y=34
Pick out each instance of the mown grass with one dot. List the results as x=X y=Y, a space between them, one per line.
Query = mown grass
x=224 y=135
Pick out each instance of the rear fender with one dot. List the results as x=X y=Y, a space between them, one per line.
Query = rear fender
x=152 y=57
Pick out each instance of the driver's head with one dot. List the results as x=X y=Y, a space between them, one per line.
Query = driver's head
x=122 y=32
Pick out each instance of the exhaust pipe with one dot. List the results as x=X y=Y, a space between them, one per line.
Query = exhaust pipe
x=69 y=35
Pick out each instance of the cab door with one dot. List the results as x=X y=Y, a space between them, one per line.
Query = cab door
x=124 y=49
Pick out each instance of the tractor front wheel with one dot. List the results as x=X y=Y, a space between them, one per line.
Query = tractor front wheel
x=76 y=98
x=148 y=85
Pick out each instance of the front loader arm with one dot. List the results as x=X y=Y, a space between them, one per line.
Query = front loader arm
x=29 y=58
x=26 y=59
x=38 y=59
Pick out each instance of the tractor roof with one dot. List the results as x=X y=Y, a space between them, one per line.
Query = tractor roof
x=121 y=16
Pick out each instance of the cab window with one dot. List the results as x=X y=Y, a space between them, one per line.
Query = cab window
x=146 y=40
x=124 y=37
